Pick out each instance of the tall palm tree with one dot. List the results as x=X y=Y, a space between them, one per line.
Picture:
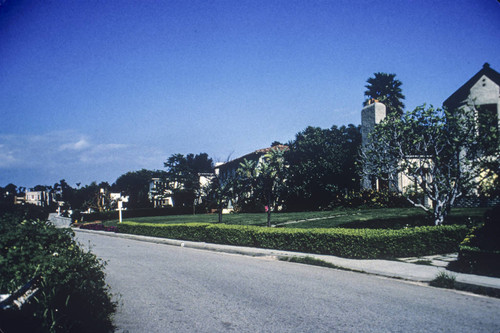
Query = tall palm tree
x=386 y=89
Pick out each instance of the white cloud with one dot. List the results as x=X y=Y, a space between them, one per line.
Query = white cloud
x=81 y=144
x=28 y=160
x=7 y=158
x=102 y=153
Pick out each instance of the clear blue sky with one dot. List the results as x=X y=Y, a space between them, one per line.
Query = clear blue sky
x=92 y=89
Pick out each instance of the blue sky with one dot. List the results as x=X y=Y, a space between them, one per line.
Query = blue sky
x=92 y=89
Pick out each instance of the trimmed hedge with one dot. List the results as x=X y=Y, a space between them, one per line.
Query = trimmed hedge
x=350 y=243
x=97 y=226
x=480 y=250
x=473 y=260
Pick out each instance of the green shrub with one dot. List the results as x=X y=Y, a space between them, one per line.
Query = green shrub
x=72 y=295
x=310 y=261
x=480 y=250
x=370 y=198
x=350 y=243
x=444 y=280
x=26 y=211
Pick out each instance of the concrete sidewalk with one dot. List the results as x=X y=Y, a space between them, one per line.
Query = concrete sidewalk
x=401 y=268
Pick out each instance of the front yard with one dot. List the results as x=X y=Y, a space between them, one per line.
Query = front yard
x=343 y=217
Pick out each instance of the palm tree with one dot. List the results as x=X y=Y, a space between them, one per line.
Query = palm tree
x=386 y=89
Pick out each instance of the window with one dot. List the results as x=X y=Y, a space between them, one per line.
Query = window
x=488 y=122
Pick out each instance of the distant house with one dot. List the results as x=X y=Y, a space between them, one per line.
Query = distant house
x=161 y=192
x=114 y=197
x=206 y=179
x=39 y=198
x=19 y=199
x=482 y=91
x=227 y=169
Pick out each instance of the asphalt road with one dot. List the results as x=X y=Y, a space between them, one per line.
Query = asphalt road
x=174 y=289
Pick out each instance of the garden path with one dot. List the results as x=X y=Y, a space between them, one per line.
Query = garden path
x=313 y=219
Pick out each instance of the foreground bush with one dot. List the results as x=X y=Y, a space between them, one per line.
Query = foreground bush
x=350 y=243
x=480 y=250
x=72 y=294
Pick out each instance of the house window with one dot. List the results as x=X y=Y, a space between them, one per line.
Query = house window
x=488 y=121
x=383 y=184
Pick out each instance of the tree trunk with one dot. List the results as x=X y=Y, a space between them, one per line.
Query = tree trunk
x=439 y=212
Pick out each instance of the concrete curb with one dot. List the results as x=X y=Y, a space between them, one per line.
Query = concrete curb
x=386 y=268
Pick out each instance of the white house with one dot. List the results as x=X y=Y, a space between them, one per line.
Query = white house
x=39 y=198
x=161 y=194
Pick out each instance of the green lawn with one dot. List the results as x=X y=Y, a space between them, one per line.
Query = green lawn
x=358 y=218
x=393 y=218
x=241 y=219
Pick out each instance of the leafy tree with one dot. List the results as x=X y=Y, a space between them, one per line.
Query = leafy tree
x=88 y=196
x=182 y=176
x=321 y=164
x=276 y=143
x=8 y=193
x=438 y=151
x=385 y=88
x=64 y=192
x=41 y=188
x=264 y=180
x=7 y=197
x=246 y=186
x=10 y=189
x=96 y=196
x=221 y=192
x=135 y=185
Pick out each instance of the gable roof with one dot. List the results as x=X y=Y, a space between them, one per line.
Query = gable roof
x=463 y=92
x=251 y=156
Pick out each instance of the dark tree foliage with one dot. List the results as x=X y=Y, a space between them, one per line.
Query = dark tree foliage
x=135 y=185
x=386 y=89
x=276 y=143
x=42 y=188
x=182 y=176
x=7 y=194
x=263 y=181
x=440 y=152
x=322 y=164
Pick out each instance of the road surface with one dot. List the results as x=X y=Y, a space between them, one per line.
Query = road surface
x=165 y=288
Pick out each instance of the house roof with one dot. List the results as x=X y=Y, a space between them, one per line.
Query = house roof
x=252 y=155
x=463 y=92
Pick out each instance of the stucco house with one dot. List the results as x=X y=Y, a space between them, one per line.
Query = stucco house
x=227 y=169
x=39 y=198
x=481 y=90
x=159 y=194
